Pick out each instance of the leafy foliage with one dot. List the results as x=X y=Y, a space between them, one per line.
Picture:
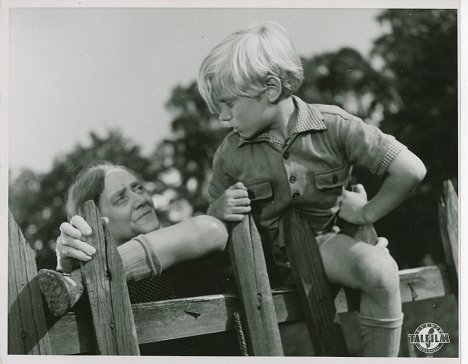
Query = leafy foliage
x=407 y=86
x=189 y=153
x=37 y=201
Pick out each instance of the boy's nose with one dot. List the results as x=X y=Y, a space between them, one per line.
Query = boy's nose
x=225 y=116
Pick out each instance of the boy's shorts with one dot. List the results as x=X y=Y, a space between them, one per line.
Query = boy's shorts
x=325 y=237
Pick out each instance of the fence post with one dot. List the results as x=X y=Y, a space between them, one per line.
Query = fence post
x=260 y=321
x=448 y=224
x=313 y=286
x=105 y=281
x=27 y=327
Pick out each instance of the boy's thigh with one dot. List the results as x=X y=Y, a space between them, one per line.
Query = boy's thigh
x=345 y=259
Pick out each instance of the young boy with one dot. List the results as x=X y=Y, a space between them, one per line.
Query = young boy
x=285 y=153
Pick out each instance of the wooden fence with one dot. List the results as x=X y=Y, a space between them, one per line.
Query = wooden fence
x=113 y=326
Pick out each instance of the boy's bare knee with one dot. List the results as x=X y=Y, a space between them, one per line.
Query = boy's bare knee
x=213 y=230
x=378 y=270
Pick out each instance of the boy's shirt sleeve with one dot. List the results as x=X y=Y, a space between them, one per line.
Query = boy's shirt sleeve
x=222 y=178
x=367 y=146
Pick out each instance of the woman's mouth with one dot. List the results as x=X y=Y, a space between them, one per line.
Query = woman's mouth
x=144 y=214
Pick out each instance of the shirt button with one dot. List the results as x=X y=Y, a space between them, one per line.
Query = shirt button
x=335 y=179
x=295 y=195
x=286 y=155
x=292 y=178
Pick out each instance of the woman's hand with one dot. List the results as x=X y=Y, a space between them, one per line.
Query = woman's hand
x=71 y=246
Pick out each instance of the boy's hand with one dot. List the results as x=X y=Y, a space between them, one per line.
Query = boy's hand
x=71 y=244
x=232 y=205
x=352 y=205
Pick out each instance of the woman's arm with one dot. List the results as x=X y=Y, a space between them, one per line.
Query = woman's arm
x=148 y=253
x=187 y=240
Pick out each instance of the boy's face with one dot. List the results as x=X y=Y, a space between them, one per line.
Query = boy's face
x=248 y=116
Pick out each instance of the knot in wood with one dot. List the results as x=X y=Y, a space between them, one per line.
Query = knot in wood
x=259 y=301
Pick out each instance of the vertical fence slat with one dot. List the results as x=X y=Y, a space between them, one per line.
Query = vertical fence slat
x=260 y=321
x=448 y=224
x=313 y=287
x=115 y=331
x=27 y=327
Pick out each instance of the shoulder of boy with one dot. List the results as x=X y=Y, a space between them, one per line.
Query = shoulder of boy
x=228 y=146
x=333 y=110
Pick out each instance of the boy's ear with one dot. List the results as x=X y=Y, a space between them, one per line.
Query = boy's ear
x=274 y=88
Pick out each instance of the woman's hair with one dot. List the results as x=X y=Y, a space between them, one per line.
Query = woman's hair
x=88 y=185
x=241 y=63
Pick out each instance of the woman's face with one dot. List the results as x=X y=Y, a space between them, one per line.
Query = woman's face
x=127 y=205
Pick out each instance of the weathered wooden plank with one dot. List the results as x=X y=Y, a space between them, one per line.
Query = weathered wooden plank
x=176 y=319
x=72 y=333
x=180 y=316
x=423 y=283
x=416 y=284
x=313 y=286
x=27 y=328
x=259 y=316
x=448 y=224
x=106 y=285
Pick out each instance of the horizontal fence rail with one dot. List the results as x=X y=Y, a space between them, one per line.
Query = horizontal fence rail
x=214 y=313
x=32 y=331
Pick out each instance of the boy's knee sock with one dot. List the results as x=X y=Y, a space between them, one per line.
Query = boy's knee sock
x=381 y=337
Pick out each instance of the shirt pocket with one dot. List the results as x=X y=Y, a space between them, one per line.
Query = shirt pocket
x=259 y=189
x=331 y=178
x=261 y=200
x=330 y=185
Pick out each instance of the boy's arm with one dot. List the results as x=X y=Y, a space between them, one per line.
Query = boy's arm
x=404 y=174
x=229 y=200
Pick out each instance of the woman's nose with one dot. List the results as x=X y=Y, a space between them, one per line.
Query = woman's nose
x=138 y=199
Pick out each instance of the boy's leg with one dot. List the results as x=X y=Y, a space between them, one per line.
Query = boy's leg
x=374 y=272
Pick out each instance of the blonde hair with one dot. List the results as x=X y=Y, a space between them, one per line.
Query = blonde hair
x=241 y=63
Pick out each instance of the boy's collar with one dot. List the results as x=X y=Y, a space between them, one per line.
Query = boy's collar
x=308 y=118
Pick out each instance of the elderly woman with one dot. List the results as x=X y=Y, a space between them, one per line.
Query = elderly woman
x=146 y=250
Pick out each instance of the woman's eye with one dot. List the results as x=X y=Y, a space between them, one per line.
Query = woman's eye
x=138 y=188
x=120 y=198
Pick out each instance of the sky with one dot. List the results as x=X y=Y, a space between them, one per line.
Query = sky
x=76 y=70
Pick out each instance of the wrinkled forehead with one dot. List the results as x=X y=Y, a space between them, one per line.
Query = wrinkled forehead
x=117 y=179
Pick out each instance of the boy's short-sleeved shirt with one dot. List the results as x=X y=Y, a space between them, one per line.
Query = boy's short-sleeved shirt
x=309 y=171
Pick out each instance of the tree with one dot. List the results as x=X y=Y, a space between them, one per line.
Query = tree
x=345 y=78
x=420 y=62
x=188 y=154
x=419 y=59
x=38 y=200
x=409 y=88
